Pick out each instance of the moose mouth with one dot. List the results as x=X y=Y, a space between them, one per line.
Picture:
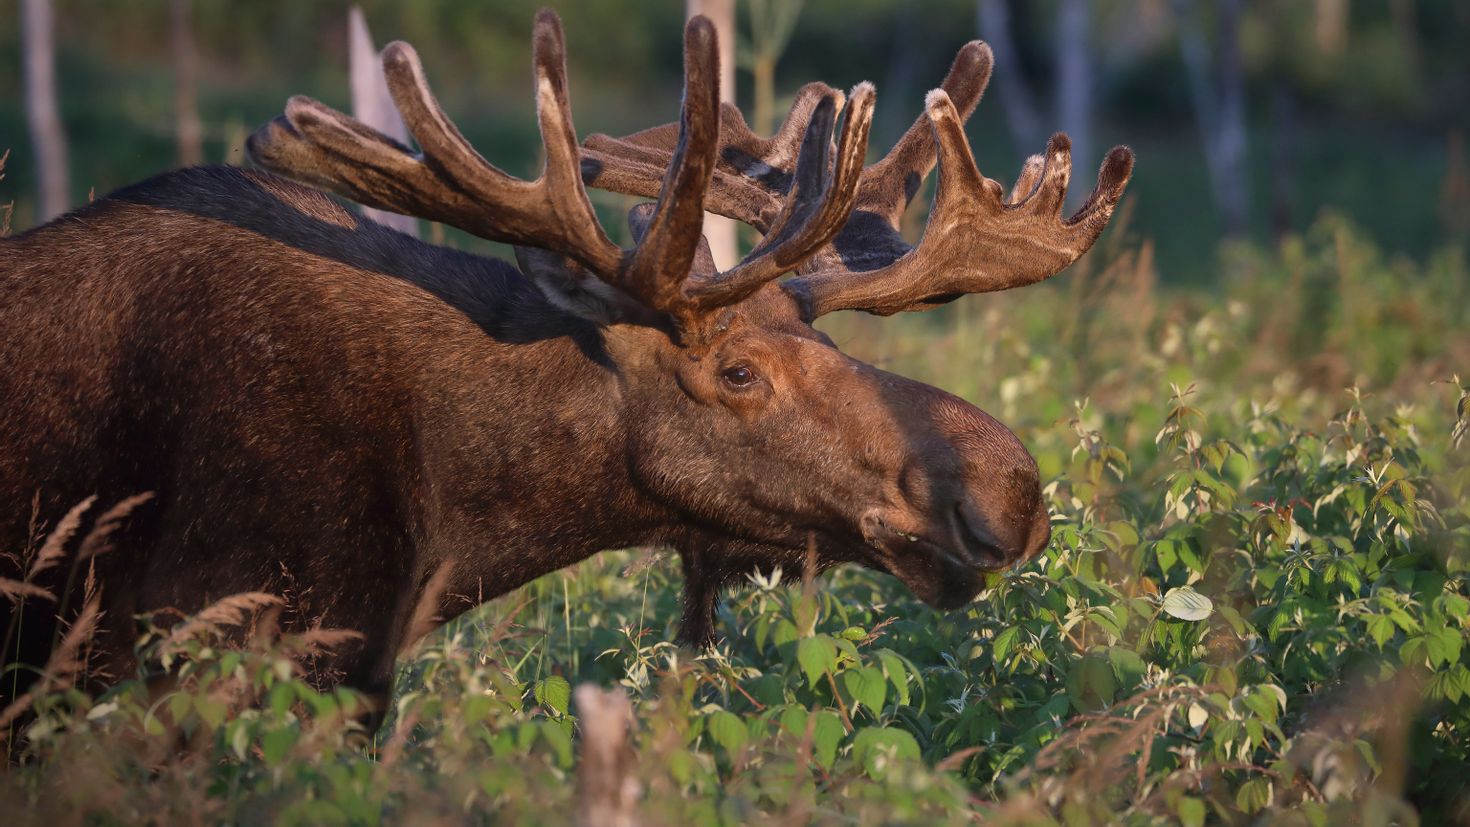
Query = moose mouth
x=945 y=574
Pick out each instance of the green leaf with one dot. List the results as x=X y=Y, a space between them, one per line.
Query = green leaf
x=827 y=733
x=1444 y=645
x=1164 y=550
x=178 y=706
x=793 y=721
x=768 y=689
x=1001 y=645
x=1127 y=666
x=1187 y=604
x=1053 y=711
x=874 y=746
x=237 y=732
x=1461 y=677
x=1370 y=757
x=867 y=687
x=1091 y=683
x=559 y=736
x=1314 y=812
x=275 y=743
x=1237 y=623
x=211 y=710
x=817 y=656
x=153 y=726
x=1190 y=559
x=1263 y=703
x=1380 y=628
x=1442 y=685
x=1191 y=811
x=727 y=730
x=1254 y=795
x=784 y=634
x=893 y=667
x=554 y=692
x=281 y=698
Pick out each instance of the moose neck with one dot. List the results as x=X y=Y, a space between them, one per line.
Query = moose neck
x=500 y=419
x=523 y=443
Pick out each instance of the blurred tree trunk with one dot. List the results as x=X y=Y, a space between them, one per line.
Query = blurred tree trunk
x=993 y=18
x=1283 y=161
x=42 y=112
x=187 y=128
x=607 y=786
x=373 y=105
x=719 y=231
x=1331 y=27
x=901 y=79
x=1074 y=87
x=1217 y=91
x=771 y=25
x=1454 y=197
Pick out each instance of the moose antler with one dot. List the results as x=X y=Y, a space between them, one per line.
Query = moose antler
x=752 y=174
x=978 y=240
x=451 y=183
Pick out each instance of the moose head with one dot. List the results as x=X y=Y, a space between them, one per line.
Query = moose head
x=749 y=421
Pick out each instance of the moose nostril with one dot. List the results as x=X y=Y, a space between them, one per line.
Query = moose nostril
x=1040 y=534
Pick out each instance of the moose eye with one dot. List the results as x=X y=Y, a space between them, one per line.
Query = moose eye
x=738 y=375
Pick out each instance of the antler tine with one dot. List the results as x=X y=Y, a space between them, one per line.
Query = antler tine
x=663 y=258
x=819 y=201
x=890 y=184
x=450 y=182
x=281 y=147
x=976 y=242
x=751 y=175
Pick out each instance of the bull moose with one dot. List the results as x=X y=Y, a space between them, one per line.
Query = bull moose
x=310 y=395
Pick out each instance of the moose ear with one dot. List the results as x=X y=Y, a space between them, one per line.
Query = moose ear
x=569 y=286
x=639 y=219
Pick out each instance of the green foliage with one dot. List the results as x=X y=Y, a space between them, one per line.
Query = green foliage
x=1255 y=605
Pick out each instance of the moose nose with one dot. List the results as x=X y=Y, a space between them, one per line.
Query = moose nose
x=1031 y=521
x=1040 y=533
x=1022 y=537
x=1005 y=524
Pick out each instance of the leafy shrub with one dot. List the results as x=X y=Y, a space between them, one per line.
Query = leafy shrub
x=1255 y=605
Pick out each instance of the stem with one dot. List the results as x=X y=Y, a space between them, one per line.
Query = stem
x=841 y=707
x=764 y=75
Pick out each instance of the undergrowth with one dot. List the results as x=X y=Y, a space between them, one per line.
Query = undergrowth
x=1254 y=608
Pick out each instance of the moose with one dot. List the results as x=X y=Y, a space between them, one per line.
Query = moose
x=317 y=402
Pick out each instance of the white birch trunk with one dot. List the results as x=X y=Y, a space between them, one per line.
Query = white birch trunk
x=187 y=128
x=1074 y=90
x=720 y=231
x=43 y=115
x=373 y=105
x=993 y=18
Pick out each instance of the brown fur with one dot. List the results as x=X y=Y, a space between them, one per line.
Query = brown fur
x=349 y=408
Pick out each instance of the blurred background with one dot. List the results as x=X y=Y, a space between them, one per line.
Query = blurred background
x=1256 y=385
x=1250 y=118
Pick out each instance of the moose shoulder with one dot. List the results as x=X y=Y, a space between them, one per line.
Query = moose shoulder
x=329 y=408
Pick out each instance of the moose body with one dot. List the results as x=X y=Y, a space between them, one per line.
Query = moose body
x=334 y=411
x=318 y=404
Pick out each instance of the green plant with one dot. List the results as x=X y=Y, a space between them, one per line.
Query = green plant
x=1255 y=607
